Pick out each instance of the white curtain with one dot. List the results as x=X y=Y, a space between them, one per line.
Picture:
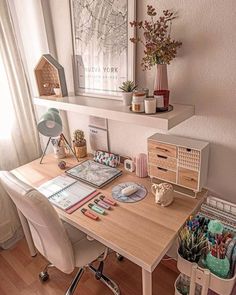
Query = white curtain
x=19 y=142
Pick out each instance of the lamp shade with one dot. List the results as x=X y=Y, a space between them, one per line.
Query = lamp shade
x=50 y=123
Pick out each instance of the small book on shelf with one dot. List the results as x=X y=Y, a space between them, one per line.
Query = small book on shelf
x=94 y=173
x=67 y=193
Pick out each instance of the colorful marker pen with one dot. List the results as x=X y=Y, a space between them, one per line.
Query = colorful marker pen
x=102 y=204
x=89 y=214
x=96 y=208
x=106 y=200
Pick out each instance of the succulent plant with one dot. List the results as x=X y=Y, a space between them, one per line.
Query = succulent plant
x=128 y=86
x=78 y=137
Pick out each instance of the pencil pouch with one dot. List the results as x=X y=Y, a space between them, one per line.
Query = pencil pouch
x=106 y=158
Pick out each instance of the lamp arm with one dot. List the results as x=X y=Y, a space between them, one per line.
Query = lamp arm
x=66 y=141
x=45 y=150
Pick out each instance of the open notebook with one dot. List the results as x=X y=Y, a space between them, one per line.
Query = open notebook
x=94 y=173
x=65 y=192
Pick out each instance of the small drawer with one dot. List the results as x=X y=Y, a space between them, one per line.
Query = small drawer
x=162 y=149
x=189 y=158
x=162 y=161
x=162 y=173
x=188 y=178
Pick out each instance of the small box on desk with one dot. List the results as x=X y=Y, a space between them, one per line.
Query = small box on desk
x=178 y=160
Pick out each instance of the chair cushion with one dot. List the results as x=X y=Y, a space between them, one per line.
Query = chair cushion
x=74 y=234
x=86 y=250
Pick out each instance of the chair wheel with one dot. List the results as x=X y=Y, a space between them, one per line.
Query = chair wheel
x=43 y=276
x=119 y=257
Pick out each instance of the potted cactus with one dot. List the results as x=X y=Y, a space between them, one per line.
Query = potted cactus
x=79 y=144
x=127 y=87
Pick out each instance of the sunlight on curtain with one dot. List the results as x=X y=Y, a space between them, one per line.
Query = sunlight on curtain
x=6 y=107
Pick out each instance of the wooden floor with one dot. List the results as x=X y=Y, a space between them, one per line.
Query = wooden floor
x=19 y=276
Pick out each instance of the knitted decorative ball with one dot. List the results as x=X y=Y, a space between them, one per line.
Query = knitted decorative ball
x=215 y=227
x=62 y=165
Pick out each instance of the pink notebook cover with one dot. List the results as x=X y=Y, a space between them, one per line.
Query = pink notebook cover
x=82 y=202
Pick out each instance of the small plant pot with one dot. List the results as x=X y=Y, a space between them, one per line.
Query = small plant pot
x=80 y=149
x=127 y=98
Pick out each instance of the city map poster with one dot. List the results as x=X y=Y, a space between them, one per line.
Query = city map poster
x=103 y=54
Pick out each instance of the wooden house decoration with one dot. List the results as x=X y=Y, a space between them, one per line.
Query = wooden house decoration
x=50 y=77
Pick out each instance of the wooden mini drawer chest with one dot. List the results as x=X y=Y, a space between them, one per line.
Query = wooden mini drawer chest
x=179 y=160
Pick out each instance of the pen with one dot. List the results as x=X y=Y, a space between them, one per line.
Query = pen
x=106 y=200
x=96 y=209
x=89 y=214
x=102 y=204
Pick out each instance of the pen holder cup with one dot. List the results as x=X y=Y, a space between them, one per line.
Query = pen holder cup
x=219 y=267
x=59 y=152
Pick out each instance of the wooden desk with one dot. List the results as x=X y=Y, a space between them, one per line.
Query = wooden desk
x=141 y=232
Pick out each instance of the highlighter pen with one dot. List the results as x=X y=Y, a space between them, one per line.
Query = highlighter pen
x=96 y=209
x=89 y=214
x=102 y=204
x=106 y=200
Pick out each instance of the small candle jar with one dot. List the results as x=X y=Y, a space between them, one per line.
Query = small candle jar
x=138 y=101
x=162 y=98
x=146 y=90
x=150 y=105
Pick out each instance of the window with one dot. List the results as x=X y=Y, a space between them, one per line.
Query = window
x=6 y=107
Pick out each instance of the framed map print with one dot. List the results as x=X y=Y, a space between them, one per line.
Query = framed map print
x=103 y=55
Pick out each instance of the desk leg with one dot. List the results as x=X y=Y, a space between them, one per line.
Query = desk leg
x=147 y=282
x=27 y=233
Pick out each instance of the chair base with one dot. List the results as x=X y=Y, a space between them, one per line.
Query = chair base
x=75 y=282
x=44 y=276
x=107 y=281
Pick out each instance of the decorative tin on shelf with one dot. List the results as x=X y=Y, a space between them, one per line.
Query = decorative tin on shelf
x=179 y=160
x=50 y=77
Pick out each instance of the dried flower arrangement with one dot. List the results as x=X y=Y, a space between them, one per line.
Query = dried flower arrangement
x=160 y=48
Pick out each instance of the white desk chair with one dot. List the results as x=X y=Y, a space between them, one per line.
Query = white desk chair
x=64 y=246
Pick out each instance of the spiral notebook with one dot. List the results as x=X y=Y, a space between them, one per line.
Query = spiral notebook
x=66 y=192
x=94 y=173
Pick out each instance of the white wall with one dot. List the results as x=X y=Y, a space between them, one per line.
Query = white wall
x=202 y=75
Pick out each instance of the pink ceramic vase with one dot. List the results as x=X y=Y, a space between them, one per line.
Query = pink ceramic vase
x=161 y=79
x=141 y=165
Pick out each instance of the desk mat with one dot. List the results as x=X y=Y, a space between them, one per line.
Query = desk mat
x=138 y=196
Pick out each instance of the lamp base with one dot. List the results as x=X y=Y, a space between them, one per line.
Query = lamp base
x=62 y=137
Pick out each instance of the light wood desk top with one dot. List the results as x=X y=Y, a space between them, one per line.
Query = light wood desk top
x=141 y=231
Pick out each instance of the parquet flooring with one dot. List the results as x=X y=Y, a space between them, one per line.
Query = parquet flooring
x=19 y=276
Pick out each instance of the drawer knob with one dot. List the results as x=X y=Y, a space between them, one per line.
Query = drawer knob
x=162 y=149
x=163 y=157
x=189 y=178
x=162 y=169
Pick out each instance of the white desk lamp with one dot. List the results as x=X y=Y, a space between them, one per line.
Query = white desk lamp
x=50 y=125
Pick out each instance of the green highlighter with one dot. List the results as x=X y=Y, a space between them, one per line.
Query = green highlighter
x=96 y=208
